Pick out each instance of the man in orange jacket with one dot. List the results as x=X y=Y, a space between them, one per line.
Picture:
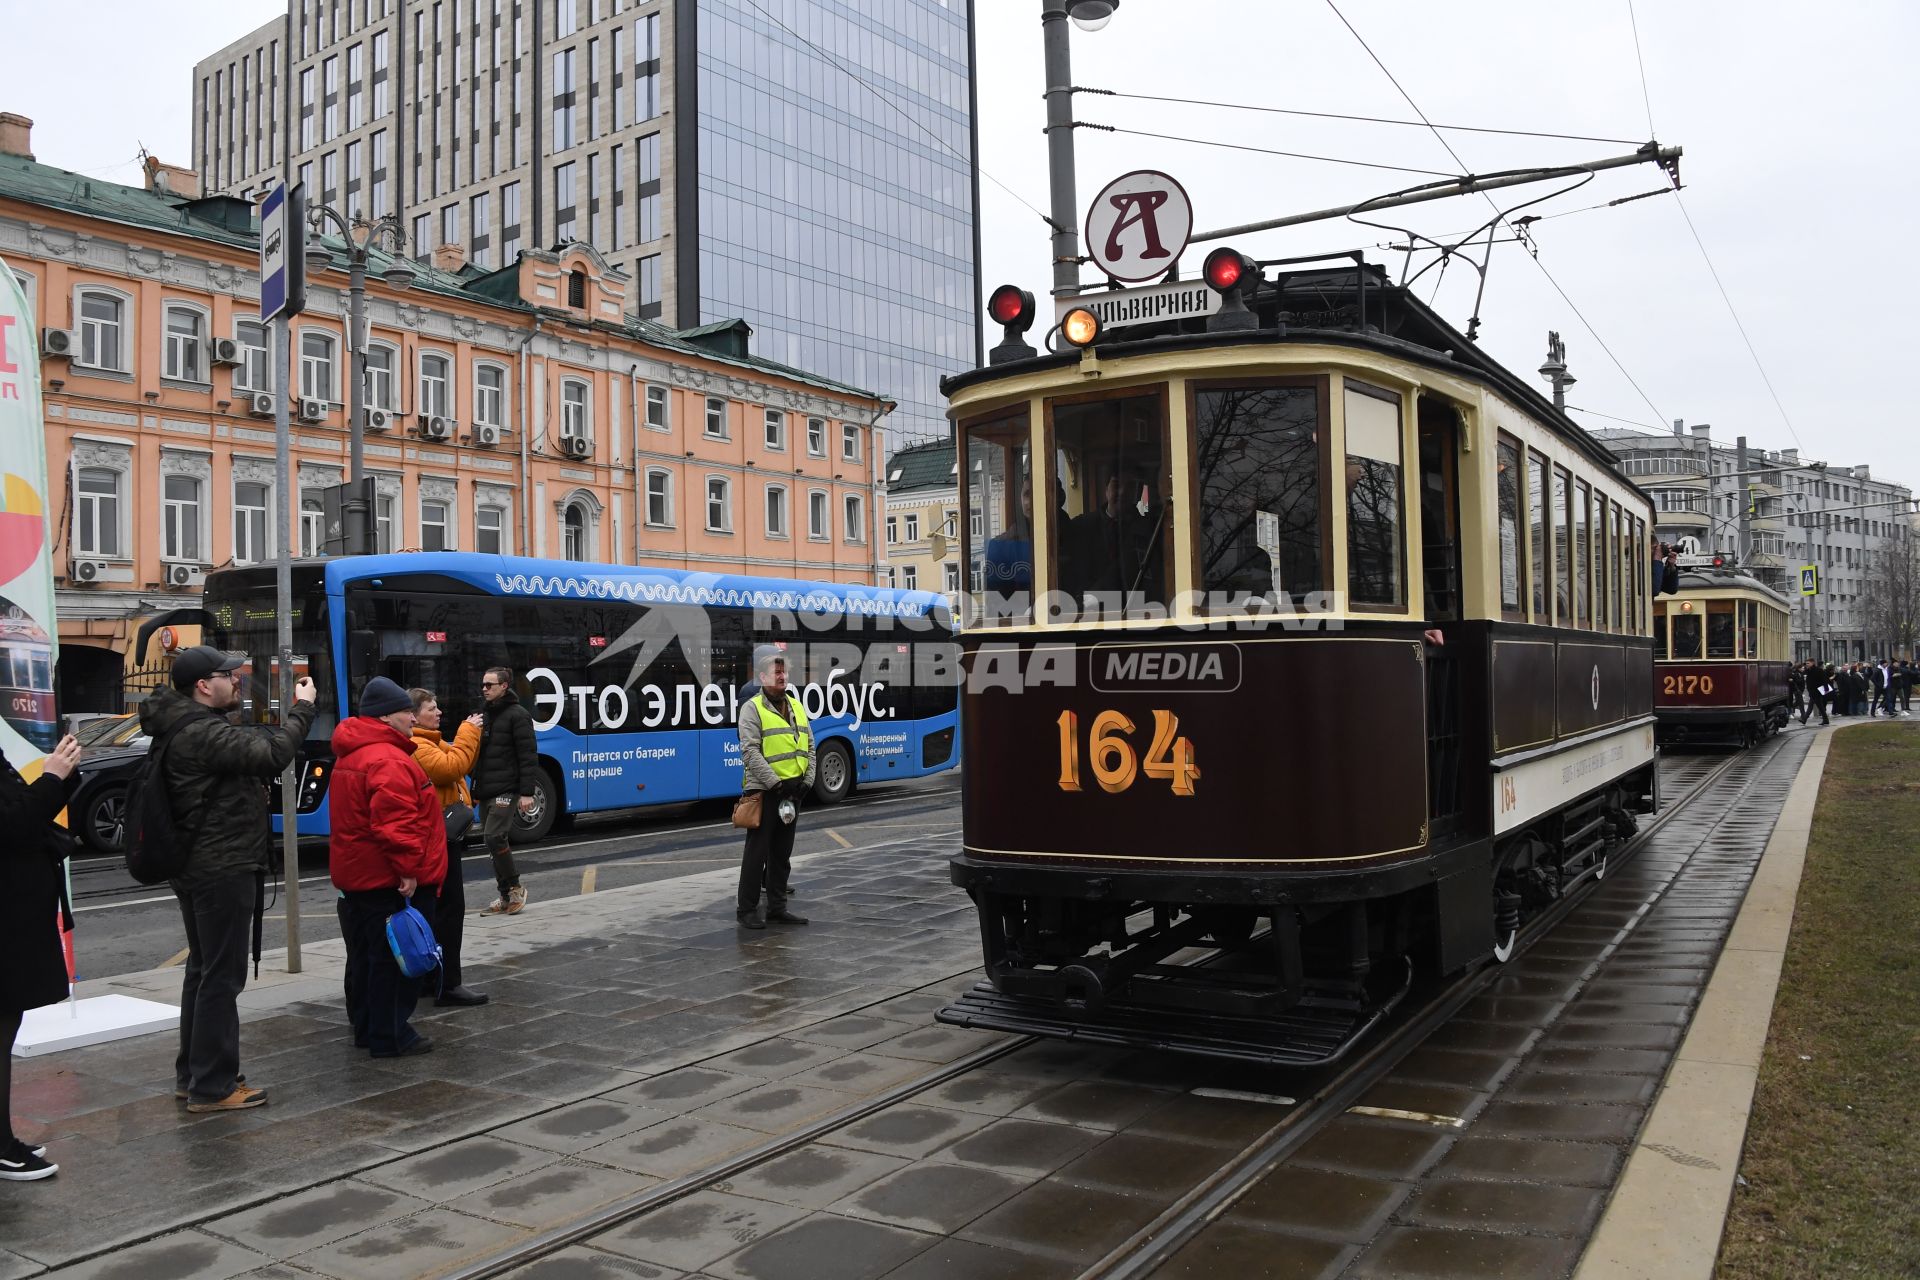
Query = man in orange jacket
x=389 y=845
x=447 y=765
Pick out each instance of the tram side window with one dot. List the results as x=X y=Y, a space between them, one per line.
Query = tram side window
x=1582 y=557
x=1638 y=551
x=1686 y=635
x=1660 y=645
x=998 y=496
x=1720 y=629
x=1749 y=625
x=1537 y=539
x=1374 y=496
x=1509 y=487
x=1602 y=562
x=1113 y=536
x=1622 y=568
x=1257 y=453
x=1562 y=549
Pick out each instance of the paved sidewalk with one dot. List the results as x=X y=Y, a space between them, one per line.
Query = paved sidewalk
x=589 y=995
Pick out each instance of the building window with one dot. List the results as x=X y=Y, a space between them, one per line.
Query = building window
x=817 y=515
x=316 y=365
x=573 y=410
x=566 y=18
x=646 y=68
x=490 y=530
x=776 y=429
x=659 y=497
x=377 y=159
x=566 y=111
x=719 y=505
x=435 y=380
x=96 y=530
x=102 y=331
x=856 y=521
x=893 y=530
x=480 y=229
x=650 y=307
x=577 y=289
x=180 y=518
x=252 y=534
x=816 y=437
x=776 y=511
x=912 y=523
x=312 y=523
x=436 y=525
x=564 y=210
x=380 y=361
x=450 y=225
x=657 y=408
x=952 y=573
x=186 y=355
x=849 y=442
x=489 y=395
x=716 y=418
x=253 y=373
x=423 y=237
x=307 y=108
x=646 y=153
x=573 y=532
x=385 y=529
x=909 y=577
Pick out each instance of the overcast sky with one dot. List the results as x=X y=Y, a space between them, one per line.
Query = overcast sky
x=1796 y=121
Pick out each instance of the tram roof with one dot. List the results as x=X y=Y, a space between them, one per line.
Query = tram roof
x=1727 y=580
x=1320 y=306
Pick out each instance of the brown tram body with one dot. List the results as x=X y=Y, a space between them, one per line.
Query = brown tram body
x=1720 y=659
x=1238 y=832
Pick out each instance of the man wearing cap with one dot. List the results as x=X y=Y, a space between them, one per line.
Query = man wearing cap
x=214 y=774
x=389 y=846
x=776 y=755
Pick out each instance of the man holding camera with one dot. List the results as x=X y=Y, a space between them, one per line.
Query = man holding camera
x=215 y=775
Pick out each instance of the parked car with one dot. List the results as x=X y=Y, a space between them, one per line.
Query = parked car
x=111 y=752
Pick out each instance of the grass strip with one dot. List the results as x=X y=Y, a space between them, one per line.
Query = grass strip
x=1832 y=1161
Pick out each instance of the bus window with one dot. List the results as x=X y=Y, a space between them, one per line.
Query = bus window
x=1257 y=451
x=997 y=542
x=1374 y=497
x=1508 y=467
x=1537 y=540
x=1112 y=537
x=1686 y=636
x=1720 y=629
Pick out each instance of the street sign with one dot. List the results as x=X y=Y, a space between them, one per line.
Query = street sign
x=283 y=265
x=1138 y=225
x=1151 y=304
x=1809 y=579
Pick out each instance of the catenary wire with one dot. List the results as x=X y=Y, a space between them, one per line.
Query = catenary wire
x=1645 y=97
x=1267 y=151
x=1581 y=316
x=1335 y=115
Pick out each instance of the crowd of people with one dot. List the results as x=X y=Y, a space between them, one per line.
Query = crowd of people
x=403 y=799
x=1872 y=688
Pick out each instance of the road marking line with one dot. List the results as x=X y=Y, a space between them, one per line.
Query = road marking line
x=839 y=839
x=588 y=879
x=1423 y=1117
x=1242 y=1095
x=184 y=952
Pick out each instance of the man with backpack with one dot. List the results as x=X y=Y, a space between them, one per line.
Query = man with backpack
x=207 y=776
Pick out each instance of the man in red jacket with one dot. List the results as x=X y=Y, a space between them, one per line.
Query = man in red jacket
x=389 y=844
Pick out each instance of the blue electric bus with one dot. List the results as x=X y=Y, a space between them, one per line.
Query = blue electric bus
x=634 y=676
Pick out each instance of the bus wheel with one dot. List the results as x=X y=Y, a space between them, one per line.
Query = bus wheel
x=531 y=828
x=833 y=774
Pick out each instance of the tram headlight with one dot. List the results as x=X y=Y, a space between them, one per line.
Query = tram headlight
x=1011 y=307
x=1080 y=327
x=1231 y=273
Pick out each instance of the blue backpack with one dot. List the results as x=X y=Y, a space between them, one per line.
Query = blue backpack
x=411 y=938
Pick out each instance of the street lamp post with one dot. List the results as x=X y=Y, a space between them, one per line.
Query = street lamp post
x=1088 y=15
x=359 y=236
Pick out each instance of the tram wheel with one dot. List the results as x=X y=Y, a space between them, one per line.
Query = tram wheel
x=1506 y=926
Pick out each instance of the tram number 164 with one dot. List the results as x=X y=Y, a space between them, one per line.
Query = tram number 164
x=1116 y=765
x=1683 y=685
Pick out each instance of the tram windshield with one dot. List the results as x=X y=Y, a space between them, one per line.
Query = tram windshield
x=1720 y=629
x=1112 y=546
x=1257 y=454
x=998 y=492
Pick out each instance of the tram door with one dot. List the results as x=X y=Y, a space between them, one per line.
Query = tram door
x=1440 y=559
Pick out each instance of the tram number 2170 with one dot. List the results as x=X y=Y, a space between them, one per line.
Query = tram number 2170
x=1116 y=765
x=1681 y=686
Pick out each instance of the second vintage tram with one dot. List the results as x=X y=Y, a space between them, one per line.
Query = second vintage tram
x=1308 y=649
x=1720 y=645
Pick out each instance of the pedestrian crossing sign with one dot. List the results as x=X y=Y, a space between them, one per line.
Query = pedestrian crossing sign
x=1809 y=579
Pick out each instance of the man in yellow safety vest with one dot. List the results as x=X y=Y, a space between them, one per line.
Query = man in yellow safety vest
x=776 y=757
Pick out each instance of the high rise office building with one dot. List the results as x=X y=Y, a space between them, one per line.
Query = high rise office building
x=806 y=165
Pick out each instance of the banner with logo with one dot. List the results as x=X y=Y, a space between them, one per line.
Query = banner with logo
x=28 y=634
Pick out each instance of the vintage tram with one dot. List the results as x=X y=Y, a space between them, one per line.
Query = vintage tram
x=1720 y=645
x=1308 y=649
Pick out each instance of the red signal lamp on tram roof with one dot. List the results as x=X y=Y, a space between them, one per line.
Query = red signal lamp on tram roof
x=1011 y=307
x=1230 y=273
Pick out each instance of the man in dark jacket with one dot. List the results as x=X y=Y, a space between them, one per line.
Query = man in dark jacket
x=214 y=774
x=389 y=847
x=504 y=782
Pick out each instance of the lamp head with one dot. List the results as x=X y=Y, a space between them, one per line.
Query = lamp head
x=319 y=257
x=399 y=274
x=1091 y=15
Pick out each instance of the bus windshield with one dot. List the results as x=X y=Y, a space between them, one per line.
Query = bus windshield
x=241 y=604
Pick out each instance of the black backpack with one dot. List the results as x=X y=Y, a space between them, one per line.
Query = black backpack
x=155 y=851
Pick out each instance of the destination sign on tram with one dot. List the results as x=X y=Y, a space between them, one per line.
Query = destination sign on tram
x=1154 y=304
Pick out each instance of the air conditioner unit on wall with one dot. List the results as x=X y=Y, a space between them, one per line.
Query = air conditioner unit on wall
x=226 y=351
x=184 y=575
x=379 y=420
x=485 y=433
x=57 y=343
x=435 y=427
x=260 y=404
x=576 y=446
x=87 y=571
x=312 y=410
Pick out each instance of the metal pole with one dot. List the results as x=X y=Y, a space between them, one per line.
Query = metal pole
x=1065 y=204
x=283 y=617
x=1667 y=157
x=360 y=519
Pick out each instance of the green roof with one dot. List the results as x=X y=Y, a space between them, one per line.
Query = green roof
x=922 y=466
x=214 y=219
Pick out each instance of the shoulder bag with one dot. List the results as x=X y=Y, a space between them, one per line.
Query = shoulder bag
x=746 y=810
